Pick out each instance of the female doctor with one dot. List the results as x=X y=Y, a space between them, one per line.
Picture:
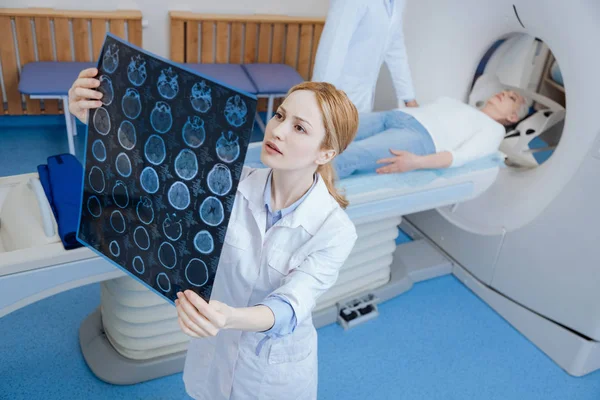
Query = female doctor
x=287 y=238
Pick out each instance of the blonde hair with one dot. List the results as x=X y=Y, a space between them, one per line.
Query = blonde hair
x=340 y=118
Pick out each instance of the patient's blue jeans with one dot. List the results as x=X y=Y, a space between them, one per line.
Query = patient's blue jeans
x=378 y=132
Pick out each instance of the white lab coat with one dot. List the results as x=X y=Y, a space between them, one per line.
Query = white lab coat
x=299 y=259
x=359 y=35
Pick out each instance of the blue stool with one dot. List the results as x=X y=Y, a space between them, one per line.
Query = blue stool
x=271 y=81
x=52 y=80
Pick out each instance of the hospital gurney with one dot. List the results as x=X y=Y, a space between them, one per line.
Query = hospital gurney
x=134 y=335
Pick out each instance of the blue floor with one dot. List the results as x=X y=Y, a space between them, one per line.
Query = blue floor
x=26 y=142
x=437 y=341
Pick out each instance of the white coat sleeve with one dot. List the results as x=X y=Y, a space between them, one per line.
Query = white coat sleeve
x=342 y=20
x=397 y=61
x=483 y=143
x=317 y=273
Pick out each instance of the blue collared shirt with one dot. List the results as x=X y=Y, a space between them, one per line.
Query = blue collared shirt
x=285 y=317
x=274 y=217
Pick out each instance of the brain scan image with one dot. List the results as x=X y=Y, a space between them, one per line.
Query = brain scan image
x=164 y=158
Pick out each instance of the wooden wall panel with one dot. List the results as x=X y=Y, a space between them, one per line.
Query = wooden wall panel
x=43 y=34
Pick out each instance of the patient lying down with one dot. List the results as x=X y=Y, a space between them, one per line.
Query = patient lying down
x=445 y=133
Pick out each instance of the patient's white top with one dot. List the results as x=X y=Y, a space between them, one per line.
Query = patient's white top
x=459 y=128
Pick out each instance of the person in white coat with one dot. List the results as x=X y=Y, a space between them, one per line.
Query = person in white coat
x=287 y=238
x=358 y=36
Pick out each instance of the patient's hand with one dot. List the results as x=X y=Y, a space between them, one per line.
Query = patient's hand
x=403 y=161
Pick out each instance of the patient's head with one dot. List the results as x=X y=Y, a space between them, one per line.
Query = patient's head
x=506 y=107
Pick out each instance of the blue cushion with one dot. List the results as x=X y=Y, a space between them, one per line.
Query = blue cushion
x=66 y=173
x=540 y=156
x=230 y=74
x=273 y=78
x=50 y=77
x=371 y=182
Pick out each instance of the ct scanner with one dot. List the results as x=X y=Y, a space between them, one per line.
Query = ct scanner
x=528 y=246
x=494 y=228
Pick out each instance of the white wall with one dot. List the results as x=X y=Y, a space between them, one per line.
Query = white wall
x=155 y=12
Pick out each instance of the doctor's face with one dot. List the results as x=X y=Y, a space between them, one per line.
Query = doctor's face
x=294 y=135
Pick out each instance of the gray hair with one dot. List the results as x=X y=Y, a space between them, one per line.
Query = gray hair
x=523 y=110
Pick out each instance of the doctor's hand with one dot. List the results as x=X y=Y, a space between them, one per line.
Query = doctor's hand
x=197 y=318
x=82 y=97
x=403 y=161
